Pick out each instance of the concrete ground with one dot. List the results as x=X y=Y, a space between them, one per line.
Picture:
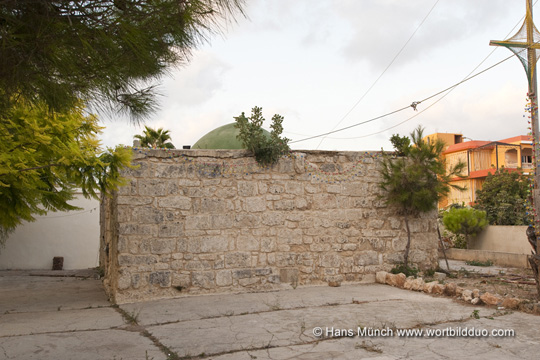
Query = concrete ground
x=44 y=317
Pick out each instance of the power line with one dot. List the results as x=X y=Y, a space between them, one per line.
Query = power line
x=413 y=105
x=447 y=90
x=384 y=71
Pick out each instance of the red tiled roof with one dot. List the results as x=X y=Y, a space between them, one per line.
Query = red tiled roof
x=518 y=138
x=466 y=145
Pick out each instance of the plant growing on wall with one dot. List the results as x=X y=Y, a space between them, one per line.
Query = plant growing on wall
x=417 y=179
x=465 y=221
x=267 y=150
x=155 y=138
x=503 y=197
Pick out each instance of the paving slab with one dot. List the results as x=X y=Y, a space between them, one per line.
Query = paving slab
x=24 y=293
x=65 y=318
x=80 y=345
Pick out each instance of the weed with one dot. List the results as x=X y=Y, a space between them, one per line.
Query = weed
x=302 y=326
x=475 y=314
x=132 y=317
x=407 y=270
x=429 y=272
x=274 y=306
x=479 y=263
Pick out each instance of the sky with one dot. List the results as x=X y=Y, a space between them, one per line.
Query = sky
x=327 y=64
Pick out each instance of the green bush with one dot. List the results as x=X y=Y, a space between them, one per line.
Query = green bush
x=465 y=221
x=267 y=151
x=407 y=270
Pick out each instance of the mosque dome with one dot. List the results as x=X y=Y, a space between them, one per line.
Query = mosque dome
x=223 y=137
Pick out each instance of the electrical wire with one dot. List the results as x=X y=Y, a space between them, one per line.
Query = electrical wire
x=384 y=71
x=447 y=90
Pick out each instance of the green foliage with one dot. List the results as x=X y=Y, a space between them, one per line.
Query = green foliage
x=503 y=197
x=155 y=138
x=414 y=183
x=460 y=241
x=405 y=269
x=401 y=144
x=465 y=221
x=479 y=263
x=45 y=156
x=267 y=151
x=107 y=52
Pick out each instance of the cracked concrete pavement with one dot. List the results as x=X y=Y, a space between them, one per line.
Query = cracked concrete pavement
x=44 y=317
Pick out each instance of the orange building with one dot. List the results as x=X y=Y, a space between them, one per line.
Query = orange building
x=481 y=158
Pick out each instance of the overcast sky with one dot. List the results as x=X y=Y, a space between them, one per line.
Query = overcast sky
x=311 y=61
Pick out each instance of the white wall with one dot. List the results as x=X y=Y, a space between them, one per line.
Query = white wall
x=501 y=238
x=73 y=235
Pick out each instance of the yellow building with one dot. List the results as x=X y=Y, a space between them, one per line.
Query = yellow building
x=481 y=158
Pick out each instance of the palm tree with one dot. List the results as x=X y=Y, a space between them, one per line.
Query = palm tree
x=155 y=138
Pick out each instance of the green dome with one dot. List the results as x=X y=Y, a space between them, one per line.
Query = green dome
x=223 y=137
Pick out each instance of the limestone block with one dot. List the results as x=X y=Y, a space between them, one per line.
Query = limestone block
x=247 y=243
x=380 y=277
x=355 y=189
x=147 y=215
x=490 y=299
x=511 y=303
x=247 y=188
x=288 y=276
x=450 y=289
x=476 y=293
x=157 y=187
x=244 y=220
x=276 y=189
x=467 y=295
x=162 y=246
x=161 y=278
x=312 y=189
x=438 y=289
x=171 y=230
x=249 y=281
x=408 y=283
x=324 y=201
x=124 y=281
x=254 y=204
x=237 y=259
x=289 y=236
x=418 y=284
x=207 y=244
x=137 y=229
x=331 y=260
x=268 y=244
x=295 y=188
x=175 y=202
x=475 y=301
x=124 y=259
x=397 y=280
x=224 y=278
x=366 y=258
x=375 y=223
x=169 y=170
x=134 y=200
x=286 y=205
x=203 y=279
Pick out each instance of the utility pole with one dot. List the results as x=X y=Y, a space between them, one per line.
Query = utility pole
x=525 y=44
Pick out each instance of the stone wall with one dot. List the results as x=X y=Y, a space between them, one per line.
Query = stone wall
x=201 y=221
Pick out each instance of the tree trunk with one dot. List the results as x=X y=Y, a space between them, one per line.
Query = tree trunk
x=442 y=247
x=407 y=248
